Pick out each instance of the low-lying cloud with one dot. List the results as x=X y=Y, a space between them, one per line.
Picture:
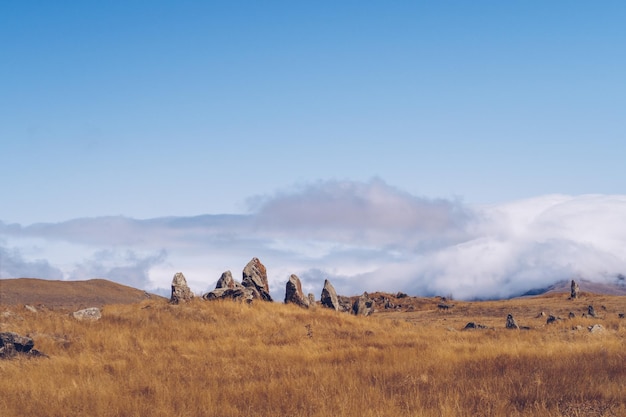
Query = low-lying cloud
x=363 y=236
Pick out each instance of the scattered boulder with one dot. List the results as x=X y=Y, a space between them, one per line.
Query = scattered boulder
x=542 y=314
x=30 y=308
x=227 y=281
x=571 y=315
x=471 y=325
x=12 y=344
x=255 y=276
x=552 y=319
x=17 y=343
x=363 y=306
x=180 y=290
x=88 y=314
x=329 y=298
x=511 y=323
x=444 y=306
x=591 y=311
x=574 y=290
x=596 y=328
x=620 y=315
x=294 y=294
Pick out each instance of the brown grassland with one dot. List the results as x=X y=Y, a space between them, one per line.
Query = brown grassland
x=268 y=359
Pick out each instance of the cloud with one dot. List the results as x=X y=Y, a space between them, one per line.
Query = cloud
x=364 y=236
x=13 y=265
x=125 y=267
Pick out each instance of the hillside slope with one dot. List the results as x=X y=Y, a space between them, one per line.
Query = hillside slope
x=67 y=294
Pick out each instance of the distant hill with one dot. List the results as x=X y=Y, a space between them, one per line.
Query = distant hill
x=617 y=288
x=68 y=294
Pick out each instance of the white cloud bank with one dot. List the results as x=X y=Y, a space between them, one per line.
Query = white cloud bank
x=363 y=236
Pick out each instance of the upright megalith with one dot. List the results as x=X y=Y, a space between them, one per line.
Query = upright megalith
x=228 y=288
x=180 y=290
x=227 y=281
x=363 y=306
x=329 y=296
x=574 y=290
x=511 y=323
x=255 y=277
x=294 y=294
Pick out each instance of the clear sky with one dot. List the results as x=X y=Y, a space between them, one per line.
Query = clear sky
x=183 y=108
x=160 y=108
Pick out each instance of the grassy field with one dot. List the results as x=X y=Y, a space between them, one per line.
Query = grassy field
x=267 y=359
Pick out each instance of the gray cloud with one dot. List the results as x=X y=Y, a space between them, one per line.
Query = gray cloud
x=363 y=236
x=126 y=267
x=13 y=265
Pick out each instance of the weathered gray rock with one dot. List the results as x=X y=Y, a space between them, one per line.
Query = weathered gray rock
x=574 y=290
x=227 y=281
x=88 y=314
x=571 y=315
x=345 y=303
x=472 y=325
x=20 y=344
x=596 y=328
x=180 y=290
x=329 y=298
x=591 y=311
x=294 y=294
x=551 y=319
x=255 y=276
x=311 y=299
x=236 y=294
x=363 y=306
x=511 y=323
x=621 y=315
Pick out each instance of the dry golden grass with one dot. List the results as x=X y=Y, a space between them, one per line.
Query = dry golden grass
x=230 y=359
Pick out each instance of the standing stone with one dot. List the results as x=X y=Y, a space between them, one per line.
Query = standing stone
x=311 y=299
x=575 y=290
x=180 y=290
x=591 y=311
x=227 y=281
x=294 y=294
x=363 y=306
x=255 y=276
x=510 y=322
x=329 y=296
x=89 y=314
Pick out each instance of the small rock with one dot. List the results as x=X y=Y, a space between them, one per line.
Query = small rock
x=591 y=311
x=620 y=315
x=571 y=315
x=92 y=313
x=472 y=325
x=576 y=328
x=20 y=344
x=551 y=319
x=542 y=314
x=311 y=299
x=30 y=308
x=511 y=323
x=596 y=328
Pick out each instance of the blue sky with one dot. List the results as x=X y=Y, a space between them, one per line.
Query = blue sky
x=154 y=109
